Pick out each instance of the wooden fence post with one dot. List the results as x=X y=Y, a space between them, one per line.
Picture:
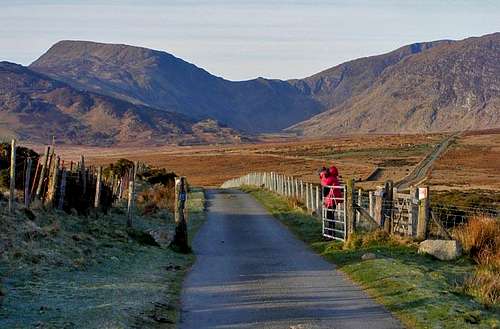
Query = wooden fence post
x=98 y=188
x=131 y=195
x=413 y=213
x=311 y=197
x=371 y=203
x=83 y=176
x=39 y=188
x=307 y=196
x=27 y=179
x=12 y=190
x=358 y=214
x=350 y=212
x=388 y=205
x=53 y=183
x=423 y=212
x=62 y=189
x=378 y=214
x=318 y=202
x=180 y=241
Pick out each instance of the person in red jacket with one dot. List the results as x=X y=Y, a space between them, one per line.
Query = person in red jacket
x=332 y=195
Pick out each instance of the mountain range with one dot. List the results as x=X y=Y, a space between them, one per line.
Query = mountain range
x=34 y=107
x=107 y=94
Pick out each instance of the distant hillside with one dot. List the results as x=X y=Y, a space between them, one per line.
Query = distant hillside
x=34 y=108
x=334 y=86
x=422 y=87
x=452 y=86
x=160 y=80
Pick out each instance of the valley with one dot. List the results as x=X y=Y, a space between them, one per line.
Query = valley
x=355 y=155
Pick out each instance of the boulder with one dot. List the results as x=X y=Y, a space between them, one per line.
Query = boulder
x=441 y=249
x=368 y=256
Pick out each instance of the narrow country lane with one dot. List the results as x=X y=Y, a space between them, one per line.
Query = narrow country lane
x=251 y=272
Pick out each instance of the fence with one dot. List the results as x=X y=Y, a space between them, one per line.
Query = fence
x=50 y=181
x=405 y=213
x=306 y=193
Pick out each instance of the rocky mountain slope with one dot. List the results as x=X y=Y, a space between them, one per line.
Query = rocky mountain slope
x=34 y=107
x=335 y=85
x=108 y=93
x=160 y=80
x=452 y=86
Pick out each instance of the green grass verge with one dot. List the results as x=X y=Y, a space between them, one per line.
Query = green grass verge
x=421 y=291
x=67 y=271
x=196 y=216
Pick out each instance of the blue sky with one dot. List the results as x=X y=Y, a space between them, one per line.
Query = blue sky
x=244 y=39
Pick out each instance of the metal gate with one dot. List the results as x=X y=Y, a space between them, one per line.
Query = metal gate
x=334 y=217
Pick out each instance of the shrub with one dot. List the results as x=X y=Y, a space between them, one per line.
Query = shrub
x=160 y=176
x=22 y=154
x=157 y=197
x=480 y=239
x=121 y=167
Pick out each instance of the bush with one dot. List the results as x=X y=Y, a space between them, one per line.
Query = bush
x=480 y=239
x=121 y=167
x=160 y=176
x=22 y=154
x=157 y=197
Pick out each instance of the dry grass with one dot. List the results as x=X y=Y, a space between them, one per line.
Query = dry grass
x=209 y=166
x=480 y=239
x=472 y=162
x=484 y=284
x=155 y=198
x=375 y=238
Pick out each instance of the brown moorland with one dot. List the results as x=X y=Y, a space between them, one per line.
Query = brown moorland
x=472 y=162
x=209 y=166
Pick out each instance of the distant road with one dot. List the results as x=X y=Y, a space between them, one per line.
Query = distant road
x=251 y=272
x=422 y=169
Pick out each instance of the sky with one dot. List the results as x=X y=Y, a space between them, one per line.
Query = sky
x=240 y=40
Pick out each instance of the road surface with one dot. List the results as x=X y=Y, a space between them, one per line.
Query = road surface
x=423 y=168
x=251 y=272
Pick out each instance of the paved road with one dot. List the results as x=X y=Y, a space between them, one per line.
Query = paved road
x=251 y=272
x=422 y=169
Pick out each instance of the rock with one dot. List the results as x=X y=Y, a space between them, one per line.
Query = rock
x=441 y=249
x=368 y=256
x=162 y=236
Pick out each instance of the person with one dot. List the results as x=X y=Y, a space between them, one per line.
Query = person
x=332 y=195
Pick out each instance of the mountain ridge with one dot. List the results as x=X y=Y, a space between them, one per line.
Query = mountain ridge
x=161 y=80
x=34 y=107
x=447 y=88
x=421 y=87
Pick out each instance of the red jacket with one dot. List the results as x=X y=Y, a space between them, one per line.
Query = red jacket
x=334 y=195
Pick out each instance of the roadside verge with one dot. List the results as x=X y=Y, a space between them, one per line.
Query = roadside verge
x=422 y=291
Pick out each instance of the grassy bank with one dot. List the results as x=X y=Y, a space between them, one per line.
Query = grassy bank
x=61 y=270
x=420 y=290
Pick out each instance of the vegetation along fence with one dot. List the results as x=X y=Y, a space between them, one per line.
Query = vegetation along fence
x=402 y=212
x=47 y=180
x=50 y=182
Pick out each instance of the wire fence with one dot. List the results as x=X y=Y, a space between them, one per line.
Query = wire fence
x=446 y=218
x=409 y=213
